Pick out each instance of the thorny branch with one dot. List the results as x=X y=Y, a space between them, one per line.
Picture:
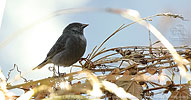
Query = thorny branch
x=124 y=65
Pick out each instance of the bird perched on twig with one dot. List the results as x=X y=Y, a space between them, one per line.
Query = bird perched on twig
x=69 y=47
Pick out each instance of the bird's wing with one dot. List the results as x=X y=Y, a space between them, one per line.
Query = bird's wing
x=58 y=46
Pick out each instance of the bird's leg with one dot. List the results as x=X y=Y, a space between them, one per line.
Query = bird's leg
x=58 y=70
x=71 y=70
x=54 y=71
x=60 y=74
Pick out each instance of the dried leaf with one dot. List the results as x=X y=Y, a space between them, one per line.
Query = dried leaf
x=113 y=75
x=152 y=70
x=133 y=71
x=42 y=95
x=166 y=91
x=125 y=76
x=168 y=83
x=111 y=78
x=115 y=71
x=131 y=87
x=78 y=88
x=182 y=94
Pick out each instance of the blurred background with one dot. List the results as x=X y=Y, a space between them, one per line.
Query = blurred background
x=29 y=42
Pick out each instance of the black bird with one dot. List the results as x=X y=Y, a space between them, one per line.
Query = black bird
x=69 y=47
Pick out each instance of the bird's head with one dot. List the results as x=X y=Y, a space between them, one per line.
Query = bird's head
x=76 y=27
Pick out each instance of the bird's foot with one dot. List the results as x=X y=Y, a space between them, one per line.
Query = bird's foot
x=61 y=74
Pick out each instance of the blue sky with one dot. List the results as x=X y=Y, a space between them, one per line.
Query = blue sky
x=29 y=48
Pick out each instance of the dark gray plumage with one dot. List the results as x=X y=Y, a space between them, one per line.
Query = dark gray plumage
x=69 y=47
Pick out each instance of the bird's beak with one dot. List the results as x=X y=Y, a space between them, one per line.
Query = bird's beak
x=84 y=25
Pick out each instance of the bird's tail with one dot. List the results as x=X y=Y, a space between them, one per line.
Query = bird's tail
x=46 y=61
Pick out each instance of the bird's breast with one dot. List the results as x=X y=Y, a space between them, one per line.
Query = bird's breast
x=80 y=45
x=73 y=51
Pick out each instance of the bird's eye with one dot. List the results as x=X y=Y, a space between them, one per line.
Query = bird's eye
x=75 y=28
